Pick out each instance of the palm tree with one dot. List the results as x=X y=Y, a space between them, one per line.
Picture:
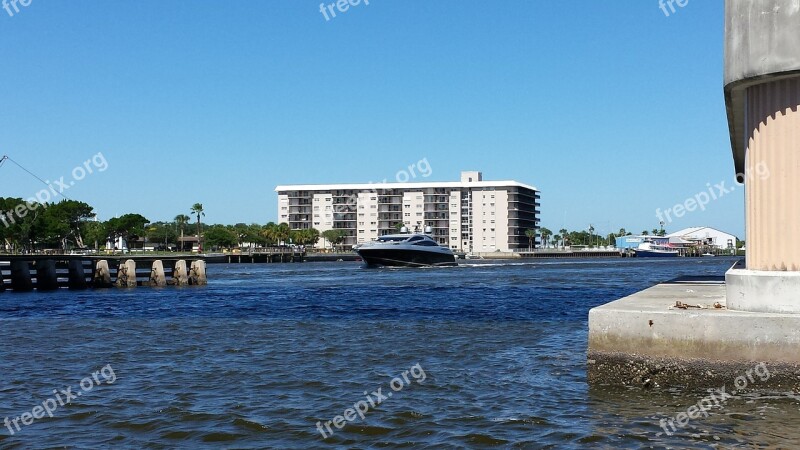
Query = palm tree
x=563 y=233
x=545 y=233
x=591 y=234
x=645 y=233
x=182 y=220
x=282 y=232
x=197 y=210
x=268 y=232
x=531 y=234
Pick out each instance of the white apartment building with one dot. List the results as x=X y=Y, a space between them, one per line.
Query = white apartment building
x=470 y=215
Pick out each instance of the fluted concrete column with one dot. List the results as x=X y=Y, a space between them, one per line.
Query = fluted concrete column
x=762 y=94
x=772 y=172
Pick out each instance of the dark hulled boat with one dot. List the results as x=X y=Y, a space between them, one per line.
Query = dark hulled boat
x=405 y=250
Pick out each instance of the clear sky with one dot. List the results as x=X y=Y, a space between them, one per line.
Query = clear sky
x=611 y=109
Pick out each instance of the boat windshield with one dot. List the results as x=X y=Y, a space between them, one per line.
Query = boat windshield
x=392 y=238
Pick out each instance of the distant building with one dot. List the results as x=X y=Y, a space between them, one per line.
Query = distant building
x=705 y=236
x=689 y=237
x=467 y=215
x=630 y=241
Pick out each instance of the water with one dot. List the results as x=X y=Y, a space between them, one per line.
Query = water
x=494 y=354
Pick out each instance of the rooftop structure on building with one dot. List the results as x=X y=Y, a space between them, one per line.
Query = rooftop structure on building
x=470 y=215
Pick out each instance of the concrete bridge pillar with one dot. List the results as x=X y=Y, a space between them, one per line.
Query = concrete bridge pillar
x=21 y=276
x=77 y=277
x=46 y=276
x=762 y=93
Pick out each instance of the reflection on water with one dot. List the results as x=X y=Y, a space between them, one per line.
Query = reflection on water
x=261 y=355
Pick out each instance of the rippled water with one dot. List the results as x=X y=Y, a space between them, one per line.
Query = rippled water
x=258 y=357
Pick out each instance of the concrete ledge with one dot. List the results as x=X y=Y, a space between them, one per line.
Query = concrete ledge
x=762 y=291
x=646 y=337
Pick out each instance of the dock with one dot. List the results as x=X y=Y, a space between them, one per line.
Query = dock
x=25 y=273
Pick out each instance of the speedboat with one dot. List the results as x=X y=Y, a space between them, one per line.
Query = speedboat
x=405 y=250
x=650 y=250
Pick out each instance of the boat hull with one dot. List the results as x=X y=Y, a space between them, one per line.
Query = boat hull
x=654 y=254
x=405 y=257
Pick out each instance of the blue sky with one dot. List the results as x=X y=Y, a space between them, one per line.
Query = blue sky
x=611 y=109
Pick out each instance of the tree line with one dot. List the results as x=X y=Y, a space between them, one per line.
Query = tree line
x=69 y=224
x=584 y=237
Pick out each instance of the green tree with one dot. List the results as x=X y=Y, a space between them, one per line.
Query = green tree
x=197 y=210
x=162 y=232
x=95 y=233
x=23 y=224
x=282 y=233
x=530 y=233
x=564 y=236
x=128 y=226
x=335 y=236
x=217 y=236
x=545 y=233
x=242 y=232
x=308 y=236
x=269 y=233
x=182 y=220
x=62 y=222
